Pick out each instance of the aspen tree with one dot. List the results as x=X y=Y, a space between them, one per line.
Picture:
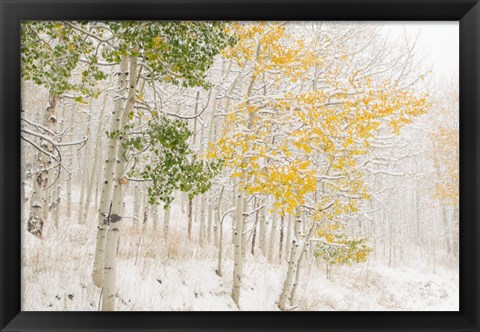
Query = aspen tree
x=39 y=200
x=55 y=74
x=109 y=178
x=166 y=223
x=86 y=174
x=70 y=165
x=263 y=230
x=115 y=218
x=93 y=171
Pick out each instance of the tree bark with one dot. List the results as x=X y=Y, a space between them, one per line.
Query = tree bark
x=239 y=245
x=166 y=221
x=154 y=213
x=210 y=220
x=289 y=231
x=93 y=170
x=39 y=200
x=287 y=285
x=116 y=219
x=220 y=244
x=273 y=235
x=280 y=247
x=263 y=231
x=85 y=175
x=109 y=178
x=254 y=232
x=203 y=206
x=190 y=218
x=70 y=166
x=237 y=250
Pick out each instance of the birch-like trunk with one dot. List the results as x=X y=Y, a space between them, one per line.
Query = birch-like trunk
x=209 y=220
x=292 y=268
x=287 y=285
x=203 y=207
x=255 y=223
x=303 y=254
x=154 y=212
x=244 y=228
x=273 y=235
x=146 y=211
x=289 y=231
x=85 y=175
x=166 y=222
x=241 y=204
x=93 y=170
x=190 y=218
x=263 y=231
x=137 y=202
x=41 y=179
x=108 y=179
x=56 y=199
x=219 y=235
x=211 y=132
x=216 y=224
x=202 y=198
x=184 y=201
x=70 y=166
x=116 y=219
x=237 y=249
x=282 y=231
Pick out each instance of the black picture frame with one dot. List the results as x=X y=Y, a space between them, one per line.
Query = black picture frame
x=467 y=12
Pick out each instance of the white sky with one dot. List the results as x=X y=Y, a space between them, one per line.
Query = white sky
x=438 y=43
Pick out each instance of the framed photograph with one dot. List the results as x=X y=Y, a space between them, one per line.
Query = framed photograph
x=239 y=165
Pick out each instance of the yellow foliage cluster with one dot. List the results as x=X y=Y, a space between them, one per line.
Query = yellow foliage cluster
x=300 y=143
x=288 y=184
x=269 y=47
x=446 y=162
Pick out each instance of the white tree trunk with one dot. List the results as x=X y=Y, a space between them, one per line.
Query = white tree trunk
x=154 y=213
x=137 y=201
x=86 y=173
x=166 y=222
x=297 y=271
x=203 y=198
x=238 y=236
x=184 y=201
x=292 y=268
x=108 y=179
x=281 y=238
x=190 y=218
x=220 y=246
x=41 y=180
x=237 y=250
x=273 y=235
x=263 y=230
x=56 y=203
x=146 y=211
x=287 y=285
x=245 y=226
x=93 y=171
x=116 y=219
x=216 y=224
x=70 y=165
x=210 y=220
x=289 y=231
x=203 y=207
x=211 y=132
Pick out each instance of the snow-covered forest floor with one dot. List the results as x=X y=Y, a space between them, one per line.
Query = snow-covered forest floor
x=180 y=275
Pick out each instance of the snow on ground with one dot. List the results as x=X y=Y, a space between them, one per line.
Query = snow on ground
x=180 y=275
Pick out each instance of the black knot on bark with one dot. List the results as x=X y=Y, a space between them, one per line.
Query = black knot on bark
x=115 y=218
